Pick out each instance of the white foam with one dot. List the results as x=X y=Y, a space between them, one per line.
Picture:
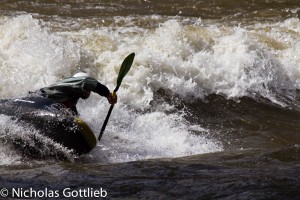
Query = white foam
x=9 y=157
x=11 y=131
x=190 y=60
x=197 y=60
x=134 y=136
x=31 y=56
x=7 y=154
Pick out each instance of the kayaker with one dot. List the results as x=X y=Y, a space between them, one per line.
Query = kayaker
x=70 y=90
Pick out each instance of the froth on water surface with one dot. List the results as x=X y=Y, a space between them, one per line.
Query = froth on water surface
x=210 y=106
x=191 y=60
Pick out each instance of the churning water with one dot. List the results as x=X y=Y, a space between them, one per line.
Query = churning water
x=209 y=110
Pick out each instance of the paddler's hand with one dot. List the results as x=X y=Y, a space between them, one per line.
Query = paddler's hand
x=112 y=99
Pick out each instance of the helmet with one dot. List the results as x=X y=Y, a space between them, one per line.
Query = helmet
x=81 y=74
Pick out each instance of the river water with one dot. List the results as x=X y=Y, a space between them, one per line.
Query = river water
x=209 y=110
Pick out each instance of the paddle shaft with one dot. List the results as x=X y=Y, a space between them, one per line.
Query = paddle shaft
x=105 y=121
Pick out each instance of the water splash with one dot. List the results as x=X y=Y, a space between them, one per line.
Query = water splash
x=187 y=59
x=20 y=142
x=135 y=136
x=31 y=56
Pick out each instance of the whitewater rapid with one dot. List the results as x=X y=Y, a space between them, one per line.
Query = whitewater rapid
x=190 y=59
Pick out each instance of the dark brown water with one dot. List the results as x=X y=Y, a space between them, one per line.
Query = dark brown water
x=210 y=109
x=215 y=9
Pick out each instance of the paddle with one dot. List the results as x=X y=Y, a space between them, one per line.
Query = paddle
x=123 y=71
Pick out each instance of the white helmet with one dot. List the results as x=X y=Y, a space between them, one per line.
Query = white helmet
x=80 y=74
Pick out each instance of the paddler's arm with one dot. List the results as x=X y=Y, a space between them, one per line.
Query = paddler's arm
x=103 y=91
x=93 y=85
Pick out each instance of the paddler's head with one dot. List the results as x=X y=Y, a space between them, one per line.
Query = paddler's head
x=86 y=93
x=83 y=73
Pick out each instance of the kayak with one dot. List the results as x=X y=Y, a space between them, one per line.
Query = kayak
x=52 y=120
